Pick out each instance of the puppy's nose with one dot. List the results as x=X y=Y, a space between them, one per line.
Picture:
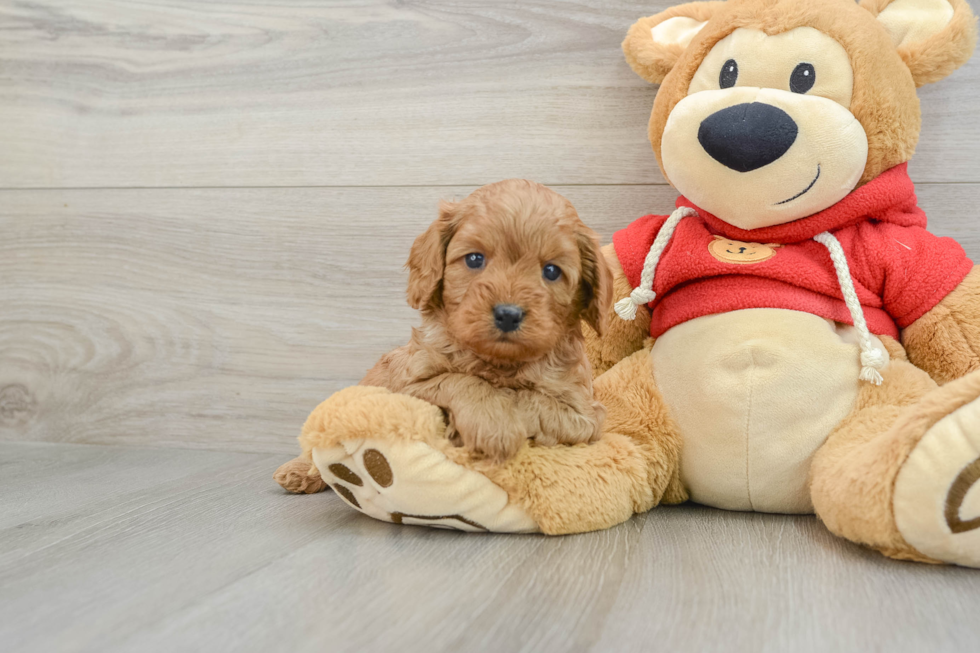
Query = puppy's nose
x=507 y=317
x=747 y=136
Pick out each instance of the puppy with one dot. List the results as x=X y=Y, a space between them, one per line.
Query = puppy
x=502 y=280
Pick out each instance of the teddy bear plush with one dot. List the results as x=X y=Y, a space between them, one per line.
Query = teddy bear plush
x=790 y=339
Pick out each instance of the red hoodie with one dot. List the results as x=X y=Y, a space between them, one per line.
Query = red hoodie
x=899 y=269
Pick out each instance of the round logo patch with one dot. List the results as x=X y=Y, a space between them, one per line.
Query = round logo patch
x=735 y=251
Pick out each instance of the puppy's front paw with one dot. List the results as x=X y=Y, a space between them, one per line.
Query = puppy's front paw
x=599 y=416
x=563 y=424
x=297 y=477
x=494 y=428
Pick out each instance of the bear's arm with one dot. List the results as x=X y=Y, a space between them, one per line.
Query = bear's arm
x=945 y=342
x=622 y=337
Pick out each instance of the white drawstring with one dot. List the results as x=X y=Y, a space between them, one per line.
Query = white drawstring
x=643 y=294
x=872 y=358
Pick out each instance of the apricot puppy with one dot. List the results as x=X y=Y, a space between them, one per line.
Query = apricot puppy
x=502 y=280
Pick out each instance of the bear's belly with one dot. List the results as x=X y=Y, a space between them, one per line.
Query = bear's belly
x=754 y=393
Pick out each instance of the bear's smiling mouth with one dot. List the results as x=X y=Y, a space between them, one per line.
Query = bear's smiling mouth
x=804 y=191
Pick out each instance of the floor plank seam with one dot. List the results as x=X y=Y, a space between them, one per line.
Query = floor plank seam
x=20 y=189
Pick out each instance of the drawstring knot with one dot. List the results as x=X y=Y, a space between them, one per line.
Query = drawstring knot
x=626 y=307
x=643 y=294
x=871 y=362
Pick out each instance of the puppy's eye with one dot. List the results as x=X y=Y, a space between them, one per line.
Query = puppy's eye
x=803 y=78
x=551 y=272
x=729 y=73
x=474 y=261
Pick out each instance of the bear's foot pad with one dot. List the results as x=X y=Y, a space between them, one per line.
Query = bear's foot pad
x=409 y=482
x=937 y=491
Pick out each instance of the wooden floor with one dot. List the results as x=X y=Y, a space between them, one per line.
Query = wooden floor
x=204 y=211
x=138 y=549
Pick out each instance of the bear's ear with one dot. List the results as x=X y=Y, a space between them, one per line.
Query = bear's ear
x=653 y=44
x=933 y=37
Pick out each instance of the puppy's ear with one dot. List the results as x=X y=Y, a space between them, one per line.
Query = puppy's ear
x=597 y=281
x=933 y=37
x=654 y=44
x=427 y=260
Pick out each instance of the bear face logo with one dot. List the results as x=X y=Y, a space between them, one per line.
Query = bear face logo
x=739 y=253
x=770 y=111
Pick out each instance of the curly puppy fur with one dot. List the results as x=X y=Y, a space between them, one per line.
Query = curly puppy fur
x=500 y=388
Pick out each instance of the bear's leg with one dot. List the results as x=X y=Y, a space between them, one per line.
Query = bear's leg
x=386 y=454
x=900 y=473
x=635 y=408
x=634 y=467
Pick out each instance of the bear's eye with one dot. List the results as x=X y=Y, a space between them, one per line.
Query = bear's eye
x=729 y=73
x=474 y=261
x=802 y=78
x=551 y=272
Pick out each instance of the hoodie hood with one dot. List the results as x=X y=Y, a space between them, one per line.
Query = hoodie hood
x=888 y=198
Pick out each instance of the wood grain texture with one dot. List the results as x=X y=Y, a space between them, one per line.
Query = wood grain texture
x=169 y=93
x=248 y=179
x=155 y=550
x=219 y=318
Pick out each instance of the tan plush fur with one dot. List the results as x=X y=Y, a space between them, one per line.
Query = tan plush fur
x=363 y=411
x=884 y=98
x=894 y=349
x=629 y=391
x=853 y=474
x=633 y=468
x=945 y=342
x=942 y=53
x=652 y=61
x=564 y=489
x=621 y=337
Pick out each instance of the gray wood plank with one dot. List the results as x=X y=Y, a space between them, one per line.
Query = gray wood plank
x=212 y=556
x=104 y=540
x=247 y=93
x=219 y=318
x=676 y=579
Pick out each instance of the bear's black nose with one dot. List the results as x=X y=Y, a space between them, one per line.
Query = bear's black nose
x=747 y=136
x=507 y=317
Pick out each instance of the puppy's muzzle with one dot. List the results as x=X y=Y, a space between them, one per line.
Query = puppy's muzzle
x=507 y=317
x=747 y=136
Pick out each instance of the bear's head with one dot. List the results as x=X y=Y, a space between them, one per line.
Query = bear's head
x=773 y=110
